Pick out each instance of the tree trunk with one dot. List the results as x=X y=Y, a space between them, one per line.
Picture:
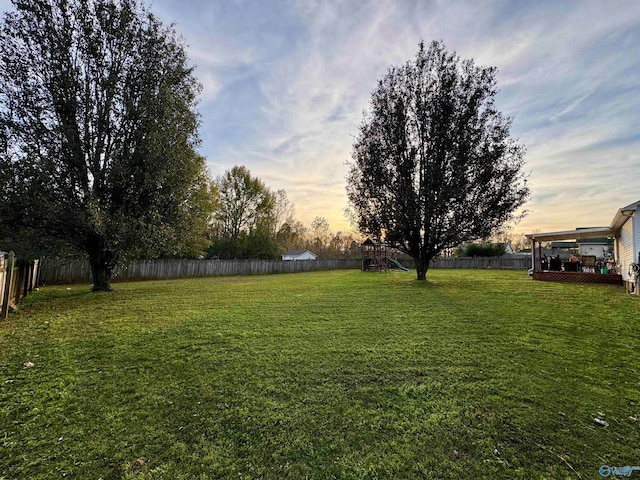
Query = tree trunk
x=422 y=265
x=101 y=261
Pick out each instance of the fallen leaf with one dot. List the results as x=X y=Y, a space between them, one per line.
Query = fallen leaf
x=600 y=422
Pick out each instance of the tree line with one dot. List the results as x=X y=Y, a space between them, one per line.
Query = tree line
x=250 y=220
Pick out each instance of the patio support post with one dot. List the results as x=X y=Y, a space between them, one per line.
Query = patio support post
x=533 y=254
x=540 y=255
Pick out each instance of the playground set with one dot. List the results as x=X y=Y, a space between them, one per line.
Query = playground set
x=379 y=257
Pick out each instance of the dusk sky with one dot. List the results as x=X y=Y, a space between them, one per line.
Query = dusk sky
x=286 y=82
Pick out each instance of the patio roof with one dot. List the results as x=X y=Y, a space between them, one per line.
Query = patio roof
x=622 y=215
x=579 y=234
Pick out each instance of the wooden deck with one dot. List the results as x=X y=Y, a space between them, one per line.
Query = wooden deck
x=578 y=277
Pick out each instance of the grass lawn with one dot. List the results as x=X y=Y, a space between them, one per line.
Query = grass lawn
x=473 y=374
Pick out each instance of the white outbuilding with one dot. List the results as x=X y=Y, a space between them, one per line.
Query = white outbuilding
x=295 y=255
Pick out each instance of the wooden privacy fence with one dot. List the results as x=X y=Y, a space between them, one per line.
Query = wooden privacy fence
x=79 y=271
x=505 y=262
x=17 y=279
x=55 y=272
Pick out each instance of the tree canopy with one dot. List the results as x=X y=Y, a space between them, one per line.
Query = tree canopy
x=245 y=202
x=98 y=129
x=253 y=221
x=434 y=164
x=243 y=223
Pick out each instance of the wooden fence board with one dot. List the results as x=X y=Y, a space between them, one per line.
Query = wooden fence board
x=17 y=279
x=3 y=281
x=79 y=271
x=505 y=262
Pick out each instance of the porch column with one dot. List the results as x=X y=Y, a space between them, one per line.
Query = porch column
x=533 y=254
x=540 y=255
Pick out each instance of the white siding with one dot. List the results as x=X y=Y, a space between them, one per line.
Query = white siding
x=626 y=251
x=636 y=236
x=302 y=256
x=306 y=256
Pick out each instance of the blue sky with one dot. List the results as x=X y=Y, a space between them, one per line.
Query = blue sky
x=286 y=82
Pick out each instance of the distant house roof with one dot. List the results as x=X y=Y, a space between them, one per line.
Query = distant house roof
x=294 y=253
x=371 y=241
x=299 y=254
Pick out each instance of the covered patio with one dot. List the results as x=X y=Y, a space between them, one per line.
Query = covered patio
x=580 y=269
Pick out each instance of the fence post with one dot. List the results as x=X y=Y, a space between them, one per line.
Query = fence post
x=3 y=279
x=35 y=281
x=8 y=285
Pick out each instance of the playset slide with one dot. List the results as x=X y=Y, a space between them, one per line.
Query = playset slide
x=398 y=264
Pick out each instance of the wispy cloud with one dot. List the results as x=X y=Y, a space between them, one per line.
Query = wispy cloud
x=286 y=82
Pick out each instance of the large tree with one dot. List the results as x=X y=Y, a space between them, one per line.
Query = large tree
x=245 y=203
x=98 y=130
x=243 y=223
x=434 y=164
x=284 y=211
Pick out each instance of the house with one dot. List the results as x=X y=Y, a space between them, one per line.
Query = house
x=595 y=243
x=626 y=225
x=299 y=255
x=508 y=249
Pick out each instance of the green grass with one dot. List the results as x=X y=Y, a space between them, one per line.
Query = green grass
x=473 y=374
